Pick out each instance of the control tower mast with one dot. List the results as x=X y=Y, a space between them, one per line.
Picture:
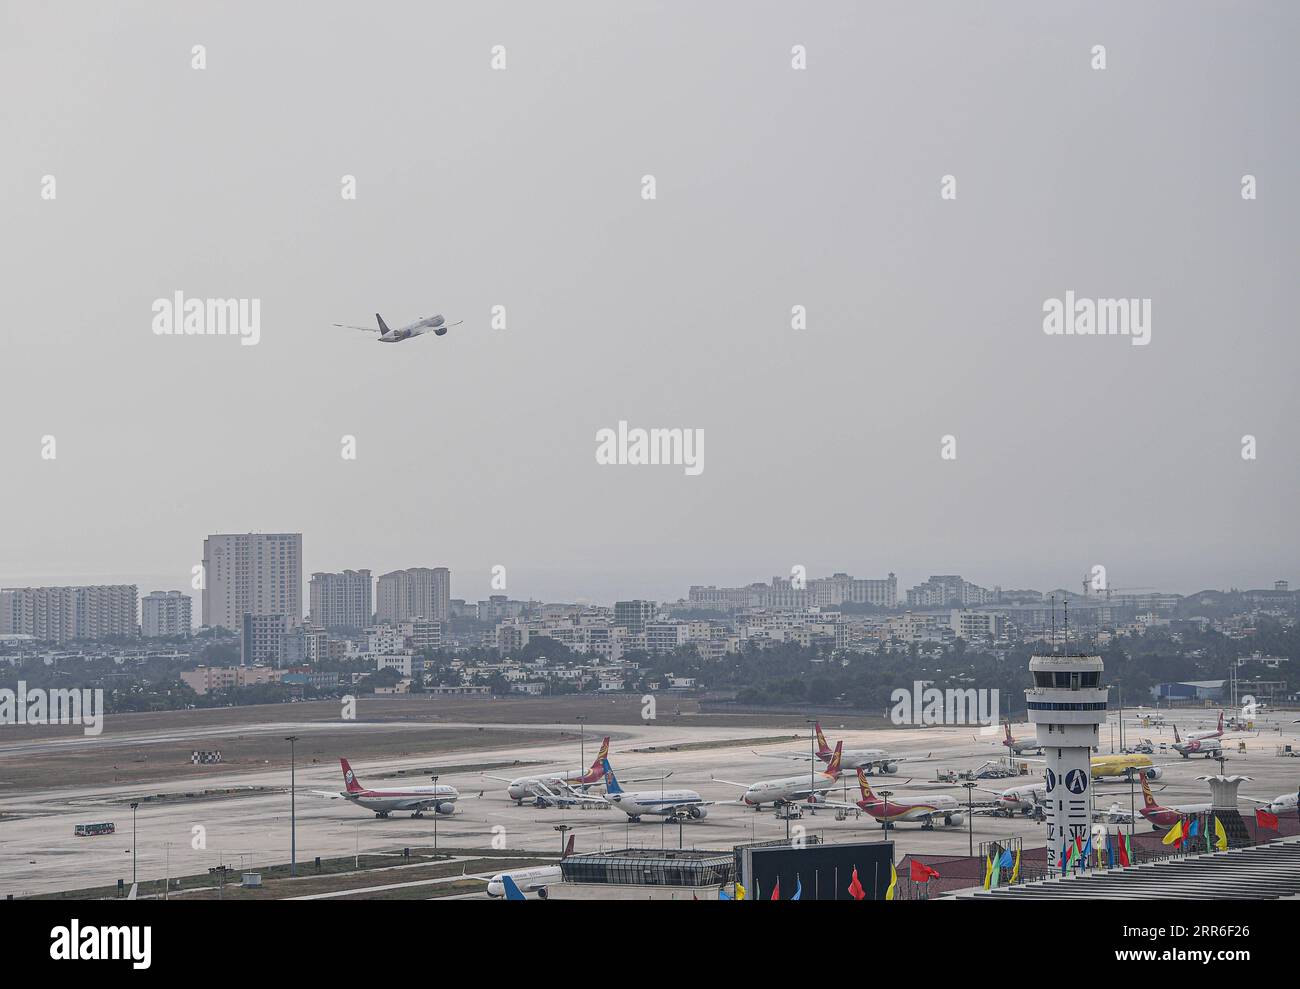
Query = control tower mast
x=1067 y=705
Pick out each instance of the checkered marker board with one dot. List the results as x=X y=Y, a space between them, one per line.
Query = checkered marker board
x=199 y=757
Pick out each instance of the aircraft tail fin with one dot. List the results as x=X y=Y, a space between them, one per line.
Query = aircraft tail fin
x=599 y=763
x=1177 y=740
x=1220 y=722
x=568 y=849
x=383 y=327
x=513 y=892
x=350 y=778
x=823 y=750
x=864 y=786
x=833 y=767
x=611 y=781
x=1147 y=798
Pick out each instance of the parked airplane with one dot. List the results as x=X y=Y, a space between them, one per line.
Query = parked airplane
x=871 y=760
x=1166 y=817
x=527 y=880
x=1207 y=745
x=1021 y=745
x=1197 y=736
x=440 y=798
x=1124 y=767
x=1284 y=802
x=928 y=812
x=656 y=803
x=425 y=324
x=791 y=788
x=540 y=788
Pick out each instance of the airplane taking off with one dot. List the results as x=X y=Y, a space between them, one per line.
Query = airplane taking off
x=1166 y=817
x=425 y=324
x=928 y=812
x=441 y=798
x=791 y=788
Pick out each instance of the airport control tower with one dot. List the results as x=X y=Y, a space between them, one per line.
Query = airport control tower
x=1067 y=704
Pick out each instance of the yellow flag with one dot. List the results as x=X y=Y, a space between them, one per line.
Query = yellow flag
x=893 y=881
x=1220 y=836
x=740 y=891
x=988 y=872
x=1015 y=869
x=1174 y=834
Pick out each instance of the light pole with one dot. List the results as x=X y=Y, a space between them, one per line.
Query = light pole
x=970 y=817
x=293 y=807
x=436 y=805
x=562 y=828
x=582 y=743
x=134 y=806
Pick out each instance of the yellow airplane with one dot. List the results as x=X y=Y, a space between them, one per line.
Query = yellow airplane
x=1124 y=766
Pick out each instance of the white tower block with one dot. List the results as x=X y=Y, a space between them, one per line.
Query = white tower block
x=1067 y=704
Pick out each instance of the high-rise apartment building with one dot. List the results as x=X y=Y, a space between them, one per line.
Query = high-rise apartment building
x=421 y=592
x=59 y=614
x=255 y=573
x=341 y=600
x=165 y=613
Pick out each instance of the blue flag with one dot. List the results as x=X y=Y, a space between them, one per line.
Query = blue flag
x=722 y=894
x=1007 y=860
x=1192 y=831
x=798 y=889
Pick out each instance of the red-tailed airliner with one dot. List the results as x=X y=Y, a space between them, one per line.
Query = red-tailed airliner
x=439 y=798
x=928 y=812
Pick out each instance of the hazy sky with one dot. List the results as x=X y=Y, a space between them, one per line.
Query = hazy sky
x=775 y=188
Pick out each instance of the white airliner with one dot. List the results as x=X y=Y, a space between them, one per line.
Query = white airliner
x=440 y=798
x=527 y=880
x=425 y=324
x=1279 y=804
x=871 y=760
x=557 y=789
x=791 y=788
x=656 y=803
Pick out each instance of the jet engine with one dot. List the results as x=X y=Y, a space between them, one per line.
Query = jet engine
x=955 y=820
x=889 y=768
x=439 y=330
x=445 y=808
x=697 y=813
x=1154 y=773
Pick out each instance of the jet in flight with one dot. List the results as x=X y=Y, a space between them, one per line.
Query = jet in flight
x=426 y=324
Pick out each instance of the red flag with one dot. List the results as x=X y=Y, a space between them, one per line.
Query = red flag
x=922 y=873
x=1123 y=850
x=1263 y=819
x=855 y=887
x=776 y=890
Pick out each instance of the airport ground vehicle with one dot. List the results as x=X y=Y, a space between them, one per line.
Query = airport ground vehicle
x=91 y=830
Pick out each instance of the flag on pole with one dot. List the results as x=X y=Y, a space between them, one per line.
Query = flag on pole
x=1220 y=836
x=988 y=873
x=1015 y=869
x=1125 y=851
x=722 y=894
x=776 y=890
x=1174 y=836
x=922 y=873
x=798 y=888
x=1263 y=819
x=893 y=882
x=855 y=887
x=740 y=891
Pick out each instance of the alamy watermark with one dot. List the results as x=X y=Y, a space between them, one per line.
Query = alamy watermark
x=60 y=706
x=682 y=447
x=179 y=316
x=922 y=705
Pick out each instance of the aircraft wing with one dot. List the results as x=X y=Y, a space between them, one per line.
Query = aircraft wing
x=363 y=329
x=729 y=782
x=329 y=794
x=500 y=779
